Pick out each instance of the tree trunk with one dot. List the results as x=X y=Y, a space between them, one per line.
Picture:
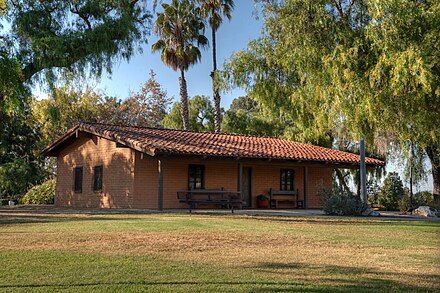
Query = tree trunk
x=216 y=95
x=184 y=100
x=433 y=153
x=341 y=179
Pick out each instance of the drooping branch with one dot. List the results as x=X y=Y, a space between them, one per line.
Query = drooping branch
x=109 y=32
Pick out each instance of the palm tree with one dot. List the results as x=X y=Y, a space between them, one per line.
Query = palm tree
x=213 y=11
x=181 y=32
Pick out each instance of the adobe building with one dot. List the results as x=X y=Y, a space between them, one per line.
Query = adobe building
x=115 y=166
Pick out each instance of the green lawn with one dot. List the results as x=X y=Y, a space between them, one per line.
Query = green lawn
x=199 y=253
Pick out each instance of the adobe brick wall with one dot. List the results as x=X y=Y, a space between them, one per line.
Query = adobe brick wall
x=118 y=174
x=220 y=173
x=319 y=178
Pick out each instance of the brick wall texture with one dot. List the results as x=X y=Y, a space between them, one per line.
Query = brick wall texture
x=130 y=180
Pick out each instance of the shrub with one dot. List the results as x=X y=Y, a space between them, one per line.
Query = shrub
x=40 y=194
x=391 y=192
x=424 y=198
x=262 y=197
x=342 y=203
x=404 y=204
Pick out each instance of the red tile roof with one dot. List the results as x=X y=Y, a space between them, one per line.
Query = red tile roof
x=155 y=141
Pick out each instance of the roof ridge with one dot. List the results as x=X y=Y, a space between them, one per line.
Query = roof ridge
x=194 y=131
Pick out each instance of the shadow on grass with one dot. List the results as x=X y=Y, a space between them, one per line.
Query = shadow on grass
x=354 y=279
x=329 y=220
x=12 y=218
x=369 y=285
x=293 y=277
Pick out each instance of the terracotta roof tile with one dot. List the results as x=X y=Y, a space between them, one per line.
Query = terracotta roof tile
x=167 y=141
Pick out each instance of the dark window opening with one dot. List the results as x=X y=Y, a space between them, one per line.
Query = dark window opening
x=97 y=178
x=196 y=174
x=78 y=174
x=287 y=179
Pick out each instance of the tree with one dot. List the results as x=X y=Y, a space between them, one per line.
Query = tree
x=213 y=10
x=246 y=117
x=391 y=192
x=65 y=107
x=148 y=107
x=341 y=70
x=76 y=35
x=201 y=115
x=19 y=164
x=180 y=29
x=38 y=40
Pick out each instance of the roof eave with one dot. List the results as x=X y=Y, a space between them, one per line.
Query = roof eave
x=53 y=149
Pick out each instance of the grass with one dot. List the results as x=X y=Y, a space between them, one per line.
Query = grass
x=199 y=253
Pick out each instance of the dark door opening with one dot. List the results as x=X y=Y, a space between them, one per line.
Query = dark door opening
x=246 y=187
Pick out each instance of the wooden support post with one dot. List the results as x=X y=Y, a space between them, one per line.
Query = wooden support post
x=306 y=185
x=160 y=185
x=240 y=178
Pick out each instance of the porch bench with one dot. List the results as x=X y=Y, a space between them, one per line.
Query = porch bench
x=220 y=197
x=285 y=196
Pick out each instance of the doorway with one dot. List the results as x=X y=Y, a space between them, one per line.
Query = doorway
x=246 y=187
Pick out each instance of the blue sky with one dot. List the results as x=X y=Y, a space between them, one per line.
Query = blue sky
x=232 y=36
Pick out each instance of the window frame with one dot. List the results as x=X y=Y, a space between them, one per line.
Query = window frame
x=78 y=175
x=191 y=172
x=284 y=185
x=95 y=187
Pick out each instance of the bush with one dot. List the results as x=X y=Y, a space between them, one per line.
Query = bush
x=40 y=194
x=424 y=198
x=404 y=204
x=342 y=203
x=391 y=192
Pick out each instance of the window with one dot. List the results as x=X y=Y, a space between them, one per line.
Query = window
x=196 y=175
x=78 y=178
x=287 y=179
x=97 y=179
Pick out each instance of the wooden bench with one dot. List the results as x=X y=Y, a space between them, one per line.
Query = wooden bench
x=210 y=196
x=285 y=196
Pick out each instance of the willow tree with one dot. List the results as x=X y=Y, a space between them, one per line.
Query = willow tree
x=181 y=32
x=346 y=69
x=213 y=10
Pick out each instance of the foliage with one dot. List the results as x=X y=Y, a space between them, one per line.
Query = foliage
x=74 y=35
x=38 y=40
x=213 y=10
x=404 y=204
x=424 y=198
x=201 y=115
x=148 y=107
x=391 y=192
x=17 y=175
x=262 y=197
x=180 y=30
x=340 y=70
x=341 y=202
x=74 y=102
x=43 y=193
x=19 y=165
x=64 y=107
x=245 y=117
